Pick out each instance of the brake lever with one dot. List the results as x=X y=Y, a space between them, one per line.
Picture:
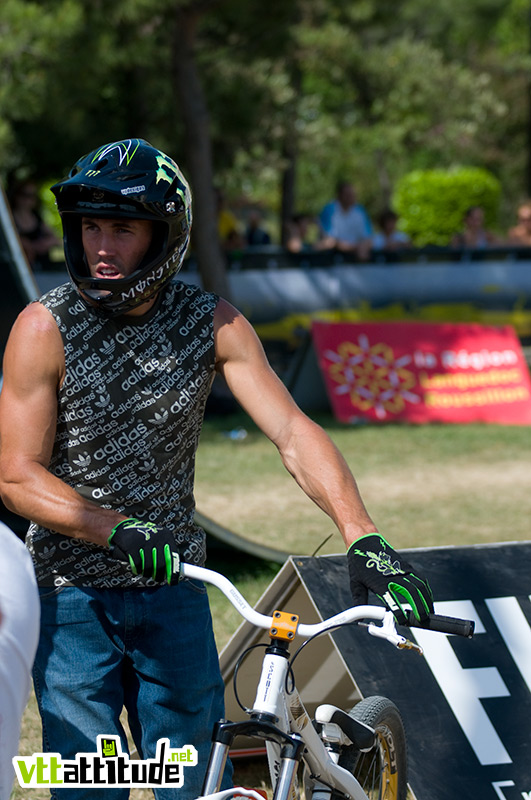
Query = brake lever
x=387 y=630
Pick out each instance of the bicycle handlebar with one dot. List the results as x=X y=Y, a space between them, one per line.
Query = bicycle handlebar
x=442 y=624
x=436 y=622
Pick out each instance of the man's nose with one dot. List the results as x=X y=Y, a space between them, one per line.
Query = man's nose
x=105 y=244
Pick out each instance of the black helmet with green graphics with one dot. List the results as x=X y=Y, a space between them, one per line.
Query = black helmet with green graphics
x=126 y=180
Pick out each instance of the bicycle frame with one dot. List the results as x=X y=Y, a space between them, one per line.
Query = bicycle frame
x=319 y=760
x=279 y=715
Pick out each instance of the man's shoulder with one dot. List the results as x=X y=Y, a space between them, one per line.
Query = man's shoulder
x=34 y=315
x=179 y=289
x=328 y=209
x=35 y=331
x=58 y=294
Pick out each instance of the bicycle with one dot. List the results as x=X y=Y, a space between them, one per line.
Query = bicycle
x=359 y=755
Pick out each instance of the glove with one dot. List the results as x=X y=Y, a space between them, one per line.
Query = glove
x=374 y=565
x=150 y=551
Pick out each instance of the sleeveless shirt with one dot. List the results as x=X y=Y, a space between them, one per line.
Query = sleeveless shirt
x=130 y=411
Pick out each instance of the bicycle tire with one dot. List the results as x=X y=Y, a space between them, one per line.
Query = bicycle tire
x=382 y=771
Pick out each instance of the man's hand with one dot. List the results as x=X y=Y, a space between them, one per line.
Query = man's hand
x=374 y=565
x=150 y=551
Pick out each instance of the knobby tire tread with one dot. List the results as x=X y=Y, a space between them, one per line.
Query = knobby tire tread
x=382 y=715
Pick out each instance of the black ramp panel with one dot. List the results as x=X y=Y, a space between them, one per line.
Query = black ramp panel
x=467 y=704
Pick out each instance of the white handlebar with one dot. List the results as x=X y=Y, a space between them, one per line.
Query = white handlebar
x=377 y=613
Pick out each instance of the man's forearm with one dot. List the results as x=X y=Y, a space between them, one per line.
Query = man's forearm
x=37 y=495
x=323 y=474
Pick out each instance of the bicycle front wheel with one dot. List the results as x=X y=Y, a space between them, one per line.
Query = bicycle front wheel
x=382 y=772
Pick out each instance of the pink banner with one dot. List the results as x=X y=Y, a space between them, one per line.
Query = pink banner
x=422 y=372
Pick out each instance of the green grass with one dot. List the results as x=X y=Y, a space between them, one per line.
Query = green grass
x=251 y=576
x=423 y=485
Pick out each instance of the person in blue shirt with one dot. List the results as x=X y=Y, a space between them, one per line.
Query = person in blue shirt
x=346 y=222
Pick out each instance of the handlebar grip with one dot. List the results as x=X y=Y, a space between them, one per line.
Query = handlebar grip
x=442 y=624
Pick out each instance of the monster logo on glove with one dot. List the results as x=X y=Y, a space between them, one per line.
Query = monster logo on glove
x=374 y=565
x=149 y=550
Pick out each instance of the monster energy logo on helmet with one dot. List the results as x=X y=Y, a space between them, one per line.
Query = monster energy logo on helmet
x=126 y=179
x=126 y=150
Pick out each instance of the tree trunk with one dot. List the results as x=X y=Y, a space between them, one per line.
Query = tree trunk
x=191 y=101
x=528 y=159
x=289 y=176
x=384 y=180
x=290 y=152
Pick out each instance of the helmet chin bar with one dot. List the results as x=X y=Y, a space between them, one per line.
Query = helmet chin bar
x=96 y=294
x=105 y=302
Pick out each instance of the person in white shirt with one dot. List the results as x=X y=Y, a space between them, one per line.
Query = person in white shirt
x=19 y=635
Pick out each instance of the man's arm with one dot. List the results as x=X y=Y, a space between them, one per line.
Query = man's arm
x=33 y=371
x=318 y=467
x=306 y=450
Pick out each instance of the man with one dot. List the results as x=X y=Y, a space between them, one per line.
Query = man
x=346 y=224
x=520 y=234
x=105 y=382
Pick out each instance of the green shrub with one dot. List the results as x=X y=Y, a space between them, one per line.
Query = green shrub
x=431 y=203
x=49 y=209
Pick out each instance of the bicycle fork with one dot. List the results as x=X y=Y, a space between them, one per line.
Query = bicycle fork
x=263 y=724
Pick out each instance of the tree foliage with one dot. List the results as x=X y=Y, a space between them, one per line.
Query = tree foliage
x=295 y=95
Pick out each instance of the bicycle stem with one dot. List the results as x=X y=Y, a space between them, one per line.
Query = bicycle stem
x=272 y=680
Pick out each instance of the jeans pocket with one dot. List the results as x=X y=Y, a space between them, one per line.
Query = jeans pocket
x=192 y=583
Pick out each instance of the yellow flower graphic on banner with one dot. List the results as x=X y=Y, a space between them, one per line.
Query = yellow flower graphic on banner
x=372 y=376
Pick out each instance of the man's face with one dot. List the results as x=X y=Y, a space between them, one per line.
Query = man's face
x=524 y=217
x=476 y=218
x=114 y=248
x=347 y=195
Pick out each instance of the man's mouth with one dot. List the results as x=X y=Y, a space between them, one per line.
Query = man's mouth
x=107 y=271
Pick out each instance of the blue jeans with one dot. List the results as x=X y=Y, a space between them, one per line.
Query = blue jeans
x=150 y=650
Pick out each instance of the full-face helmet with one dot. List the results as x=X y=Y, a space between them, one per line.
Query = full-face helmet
x=133 y=180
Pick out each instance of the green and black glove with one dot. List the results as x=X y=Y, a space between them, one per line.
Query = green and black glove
x=374 y=565
x=150 y=551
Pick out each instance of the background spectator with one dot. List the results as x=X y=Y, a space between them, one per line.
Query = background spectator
x=304 y=234
x=346 y=222
x=36 y=237
x=300 y=237
x=520 y=234
x=229 y=229
x=389 y=238
x=474 y=233
x=255 y=235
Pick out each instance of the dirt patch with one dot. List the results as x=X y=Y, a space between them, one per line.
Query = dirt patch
x=414 y=506
x=512 y=478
